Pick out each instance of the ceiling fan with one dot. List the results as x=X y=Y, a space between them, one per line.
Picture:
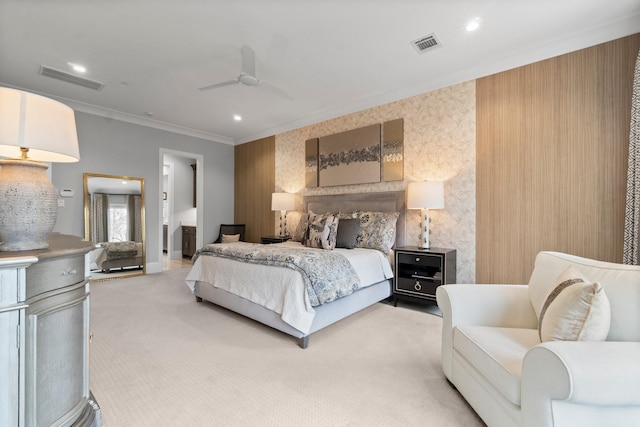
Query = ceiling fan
x=248 y=76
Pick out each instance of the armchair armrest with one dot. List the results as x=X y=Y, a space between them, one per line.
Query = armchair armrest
x=597 y=374
x=482 y=305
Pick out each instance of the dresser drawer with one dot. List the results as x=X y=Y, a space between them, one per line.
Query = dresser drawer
x=54 y=273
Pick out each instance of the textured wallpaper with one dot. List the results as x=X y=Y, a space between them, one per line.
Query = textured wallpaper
x=439 y=144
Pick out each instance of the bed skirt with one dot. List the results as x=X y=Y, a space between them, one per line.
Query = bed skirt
x=326 y=314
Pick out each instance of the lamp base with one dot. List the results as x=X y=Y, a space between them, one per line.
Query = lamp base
x=28 y=205
x=424 y=228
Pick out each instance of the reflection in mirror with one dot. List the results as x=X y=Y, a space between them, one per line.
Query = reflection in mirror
x=114 y=222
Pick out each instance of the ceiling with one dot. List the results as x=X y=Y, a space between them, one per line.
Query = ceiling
x=333 y=57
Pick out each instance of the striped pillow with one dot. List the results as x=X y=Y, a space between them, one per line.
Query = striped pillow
x=574 y=310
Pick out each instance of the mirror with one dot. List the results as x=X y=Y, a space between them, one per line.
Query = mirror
x=114 y=222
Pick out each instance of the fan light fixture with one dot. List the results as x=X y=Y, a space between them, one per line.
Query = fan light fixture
x=33 y=130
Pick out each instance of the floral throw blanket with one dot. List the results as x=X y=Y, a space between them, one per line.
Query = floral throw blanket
x=327 y=275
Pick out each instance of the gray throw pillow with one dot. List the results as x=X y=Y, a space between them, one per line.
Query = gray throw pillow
x=348 y=230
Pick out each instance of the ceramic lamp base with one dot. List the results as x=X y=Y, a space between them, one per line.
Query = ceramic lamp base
x=424 y=228
x=28 y=205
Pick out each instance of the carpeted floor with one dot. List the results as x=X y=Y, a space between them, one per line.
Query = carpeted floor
x=158 y=358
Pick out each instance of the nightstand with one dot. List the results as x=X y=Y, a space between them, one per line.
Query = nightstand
x=267 y=240
x=419 y=272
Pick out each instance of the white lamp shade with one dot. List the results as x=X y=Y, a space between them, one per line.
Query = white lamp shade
x=44 y=126
x=283 y=201
x=425 y=194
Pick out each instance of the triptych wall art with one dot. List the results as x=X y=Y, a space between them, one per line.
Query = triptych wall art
x=365 y=155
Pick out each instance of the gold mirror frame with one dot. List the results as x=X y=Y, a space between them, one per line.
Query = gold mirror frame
x=117 y=272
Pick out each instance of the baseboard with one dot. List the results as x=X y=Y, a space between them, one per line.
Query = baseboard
x=153 y=267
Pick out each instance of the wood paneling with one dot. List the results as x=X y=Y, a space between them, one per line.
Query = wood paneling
x=255 y=177
x=552 y=147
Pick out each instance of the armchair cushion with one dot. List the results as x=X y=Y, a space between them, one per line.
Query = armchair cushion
x=497 y=354
x=575 y=310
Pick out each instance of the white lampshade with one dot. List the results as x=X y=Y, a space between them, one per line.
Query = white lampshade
x=283 y=201
x=44 y=126
x=425 y=194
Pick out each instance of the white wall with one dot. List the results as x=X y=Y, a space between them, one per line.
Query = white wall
x=113 y=147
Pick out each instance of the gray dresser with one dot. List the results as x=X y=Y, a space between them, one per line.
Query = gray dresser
x=44 y=336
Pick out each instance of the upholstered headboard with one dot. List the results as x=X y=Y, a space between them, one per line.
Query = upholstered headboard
x=391 y=201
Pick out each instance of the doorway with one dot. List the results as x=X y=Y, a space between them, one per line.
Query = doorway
x=181 y=179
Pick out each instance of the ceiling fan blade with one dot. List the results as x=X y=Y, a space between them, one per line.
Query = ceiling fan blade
x=275 y=90
x=223 y=84
x=248 y=61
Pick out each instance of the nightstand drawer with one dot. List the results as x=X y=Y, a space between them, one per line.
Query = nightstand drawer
x=420 y=260
x=417 y=286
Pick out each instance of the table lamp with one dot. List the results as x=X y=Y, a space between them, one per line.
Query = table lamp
x=283 y=202
x=425 y=195
x=33 y=130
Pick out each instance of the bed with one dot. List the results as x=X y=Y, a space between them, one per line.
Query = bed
x=110 y=255
x=206 y=286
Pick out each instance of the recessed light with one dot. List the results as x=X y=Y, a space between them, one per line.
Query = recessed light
x=473 y=24
x=77 y=67
x=237 y=117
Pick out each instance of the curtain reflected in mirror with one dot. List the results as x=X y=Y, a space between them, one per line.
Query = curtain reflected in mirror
x=114 y=222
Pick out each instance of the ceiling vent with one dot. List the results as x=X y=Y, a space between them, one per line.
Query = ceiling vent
x=426 y=43
x=69 y=78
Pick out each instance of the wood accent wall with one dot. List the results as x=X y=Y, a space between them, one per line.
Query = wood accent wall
x=255 y=177
x=552 y=148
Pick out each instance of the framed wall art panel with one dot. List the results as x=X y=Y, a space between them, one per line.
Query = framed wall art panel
x=351 y=157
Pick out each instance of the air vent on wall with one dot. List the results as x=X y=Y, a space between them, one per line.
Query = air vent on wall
x=70 y=78
x=426 y=43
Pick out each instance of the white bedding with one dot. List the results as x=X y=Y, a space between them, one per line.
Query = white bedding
x=279 y=289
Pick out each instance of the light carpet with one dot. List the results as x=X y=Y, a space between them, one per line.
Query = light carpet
x=159 y=358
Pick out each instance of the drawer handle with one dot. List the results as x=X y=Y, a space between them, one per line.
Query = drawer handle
x=68 y=272
x=417 y=286
x=417 y=259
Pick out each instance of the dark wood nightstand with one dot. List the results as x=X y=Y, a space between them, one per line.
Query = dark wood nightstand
x=267 y=240
x=420 y=271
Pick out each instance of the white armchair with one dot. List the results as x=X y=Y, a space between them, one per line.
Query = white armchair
x=492 y=353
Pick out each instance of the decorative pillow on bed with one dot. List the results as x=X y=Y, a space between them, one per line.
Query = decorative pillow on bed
x=301 y=229
x=230 y=238
x=348 y=229
x=322 y=231
x=377 y=230
x=575 y=310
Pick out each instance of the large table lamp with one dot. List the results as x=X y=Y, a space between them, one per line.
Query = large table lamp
x=283 y=202
x=33 y=130
x=425 y=195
